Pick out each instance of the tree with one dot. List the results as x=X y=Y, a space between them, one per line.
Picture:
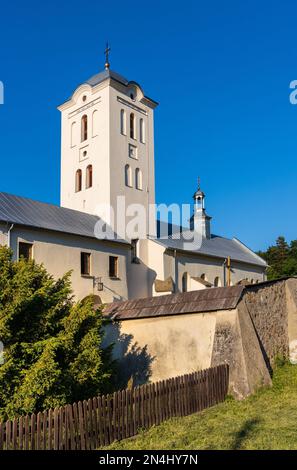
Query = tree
x=53 y=351
x=281 y=258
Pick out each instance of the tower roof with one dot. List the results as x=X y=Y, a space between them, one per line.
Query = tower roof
x=108 y=74
x=105 y=74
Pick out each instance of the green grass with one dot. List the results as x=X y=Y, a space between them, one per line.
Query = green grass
x=266 y=420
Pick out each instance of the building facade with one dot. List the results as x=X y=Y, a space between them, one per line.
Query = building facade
x=107 y=154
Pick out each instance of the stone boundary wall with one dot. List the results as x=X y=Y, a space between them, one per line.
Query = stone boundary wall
x=267 y=306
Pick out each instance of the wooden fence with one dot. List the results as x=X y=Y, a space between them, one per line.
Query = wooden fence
x=99 y=421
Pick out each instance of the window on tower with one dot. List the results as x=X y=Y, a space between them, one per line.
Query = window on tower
x=78 y=181
x=132 y=126
x=138 y=179
x=128 y=176
x=73 y=134
x=123 y=122
x=142 y=131
x=89 y=176
x=95 y=123
x=84 y=128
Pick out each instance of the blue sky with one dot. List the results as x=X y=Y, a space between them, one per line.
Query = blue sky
x=220 y=71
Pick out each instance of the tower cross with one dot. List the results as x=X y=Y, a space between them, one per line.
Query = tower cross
x=106 y=52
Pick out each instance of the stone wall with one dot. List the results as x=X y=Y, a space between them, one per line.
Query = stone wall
x=291 y=286
x=267 y=306
x=236 y=344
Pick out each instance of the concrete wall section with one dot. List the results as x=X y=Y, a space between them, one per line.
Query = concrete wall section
x=174 y=345
x=153 y=349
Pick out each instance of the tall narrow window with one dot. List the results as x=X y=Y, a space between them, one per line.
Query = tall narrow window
x=138 y=179
x=89 y=176
x=84 y=128
x=132 y=126
x=95 y=123
x=123 y=122
x=78 y=181
x=25 y=250
x=73 y=134
x=85 y=264
x=113 y=266
x=128 y=176
x=142 y=131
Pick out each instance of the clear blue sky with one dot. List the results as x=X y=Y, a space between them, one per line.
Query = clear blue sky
x=220 y=70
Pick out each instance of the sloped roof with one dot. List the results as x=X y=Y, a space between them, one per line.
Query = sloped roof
x=206 y=300
x=217 y=246
x=24 y=211
x=101 y=76
x=110 y=74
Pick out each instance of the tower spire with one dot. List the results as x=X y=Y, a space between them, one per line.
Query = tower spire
x=106 y=52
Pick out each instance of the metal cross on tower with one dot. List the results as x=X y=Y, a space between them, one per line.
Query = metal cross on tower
x=106 y=52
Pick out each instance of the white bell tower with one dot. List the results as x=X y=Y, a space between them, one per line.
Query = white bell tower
x=107 y=144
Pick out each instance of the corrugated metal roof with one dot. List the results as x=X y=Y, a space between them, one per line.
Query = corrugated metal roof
x=215 y=246
x=206 y=300
x=24 y=211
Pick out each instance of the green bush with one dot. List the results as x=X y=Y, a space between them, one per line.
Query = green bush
x=52 y=345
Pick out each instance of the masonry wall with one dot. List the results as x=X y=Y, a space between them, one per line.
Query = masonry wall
x=267 y=306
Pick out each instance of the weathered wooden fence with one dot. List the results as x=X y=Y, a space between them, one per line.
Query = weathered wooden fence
x=99 y=421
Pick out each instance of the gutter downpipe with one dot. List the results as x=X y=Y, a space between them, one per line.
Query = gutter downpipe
x=175 y=273
x=9 y=235
x=224 y=271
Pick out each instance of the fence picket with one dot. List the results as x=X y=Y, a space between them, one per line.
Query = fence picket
x=99 y=421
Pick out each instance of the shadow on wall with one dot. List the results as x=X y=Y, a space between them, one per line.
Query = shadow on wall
x=134 y=362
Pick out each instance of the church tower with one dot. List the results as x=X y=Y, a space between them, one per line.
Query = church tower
x=107 y=145
x=200 y=220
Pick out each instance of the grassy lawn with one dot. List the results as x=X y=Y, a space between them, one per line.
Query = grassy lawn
x=267 y=420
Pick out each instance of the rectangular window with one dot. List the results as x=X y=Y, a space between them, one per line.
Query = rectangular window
x=135 y=251
x=113 y=266
x=85 y=264
x=25 y=250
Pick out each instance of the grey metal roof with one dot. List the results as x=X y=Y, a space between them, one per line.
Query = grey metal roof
x=206 y=300
x=215 y=246
x=100 y=77
x=107 y=73
x=24 y=211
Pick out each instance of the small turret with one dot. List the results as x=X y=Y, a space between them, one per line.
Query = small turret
x=200 y=221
